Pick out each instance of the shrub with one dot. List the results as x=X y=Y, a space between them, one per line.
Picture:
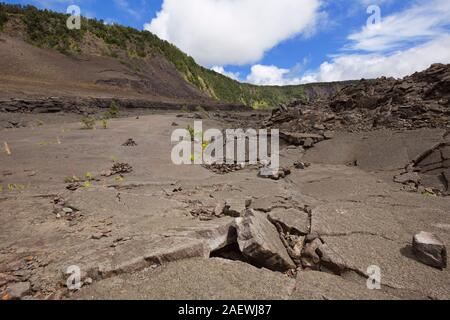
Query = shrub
x=113 y=111
x=88 y=122
x=104 y=123
x=3 y=17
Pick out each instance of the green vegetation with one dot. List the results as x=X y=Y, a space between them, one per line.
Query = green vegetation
x=88 y=122
x=113 y=111
x=191 y=131
x=3 y=16
x=104 y=123
x=48 y=29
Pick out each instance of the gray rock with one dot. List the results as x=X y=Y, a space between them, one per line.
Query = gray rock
x=309 y=143
x=446 y=153
x=220 y=208
x=405 y=178
x=292 y=221
x=18 y=290
x=317 y=255
x=434 y=157
x=319 y=127
x=328 y=135
x=310 y=257
x=260 y=242
x=331 y=260
x=294 y=245
x=430 y=250
x=301 y=165
x=274 y=174
x=234 y=208
x=67 y=210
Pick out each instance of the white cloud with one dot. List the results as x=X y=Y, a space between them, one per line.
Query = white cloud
x=398 y=64
x=221 y=70
x=424 y=20
x=271 y=75
x=222 y=32
x=405 y=42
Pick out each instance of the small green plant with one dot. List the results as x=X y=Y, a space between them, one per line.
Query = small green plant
x=88 y=176
x=88 y=122
x=184 y=109
x=119 y=179
x=191 y=131
x=114 y=159
x=113 y=111
x=428 y=194
x=104 y=123
x=13 y=187
x=87 y=184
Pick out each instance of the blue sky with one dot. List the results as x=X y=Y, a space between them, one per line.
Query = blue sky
x=289 y=41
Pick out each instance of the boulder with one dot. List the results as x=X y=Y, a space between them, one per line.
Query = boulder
x=260 y=242
x=430 y=250
x=274 y=174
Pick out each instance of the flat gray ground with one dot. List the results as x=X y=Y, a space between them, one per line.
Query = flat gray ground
x=136 y=238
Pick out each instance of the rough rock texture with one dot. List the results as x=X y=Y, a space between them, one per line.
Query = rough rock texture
x=313 y=285
x=259 y=240
x=16 y=291
x=215 y=279
x=417 y=101
x=147 y=244
x=429 y=249
x=292 y=221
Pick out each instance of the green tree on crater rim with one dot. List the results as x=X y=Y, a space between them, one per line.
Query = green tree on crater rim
x=3 y=16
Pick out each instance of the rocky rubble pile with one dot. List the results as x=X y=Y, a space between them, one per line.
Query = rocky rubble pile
x=421 y=100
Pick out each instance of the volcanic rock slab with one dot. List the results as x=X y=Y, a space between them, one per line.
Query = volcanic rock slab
x=429 y=249
x=259 y=240
x=292 y=221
